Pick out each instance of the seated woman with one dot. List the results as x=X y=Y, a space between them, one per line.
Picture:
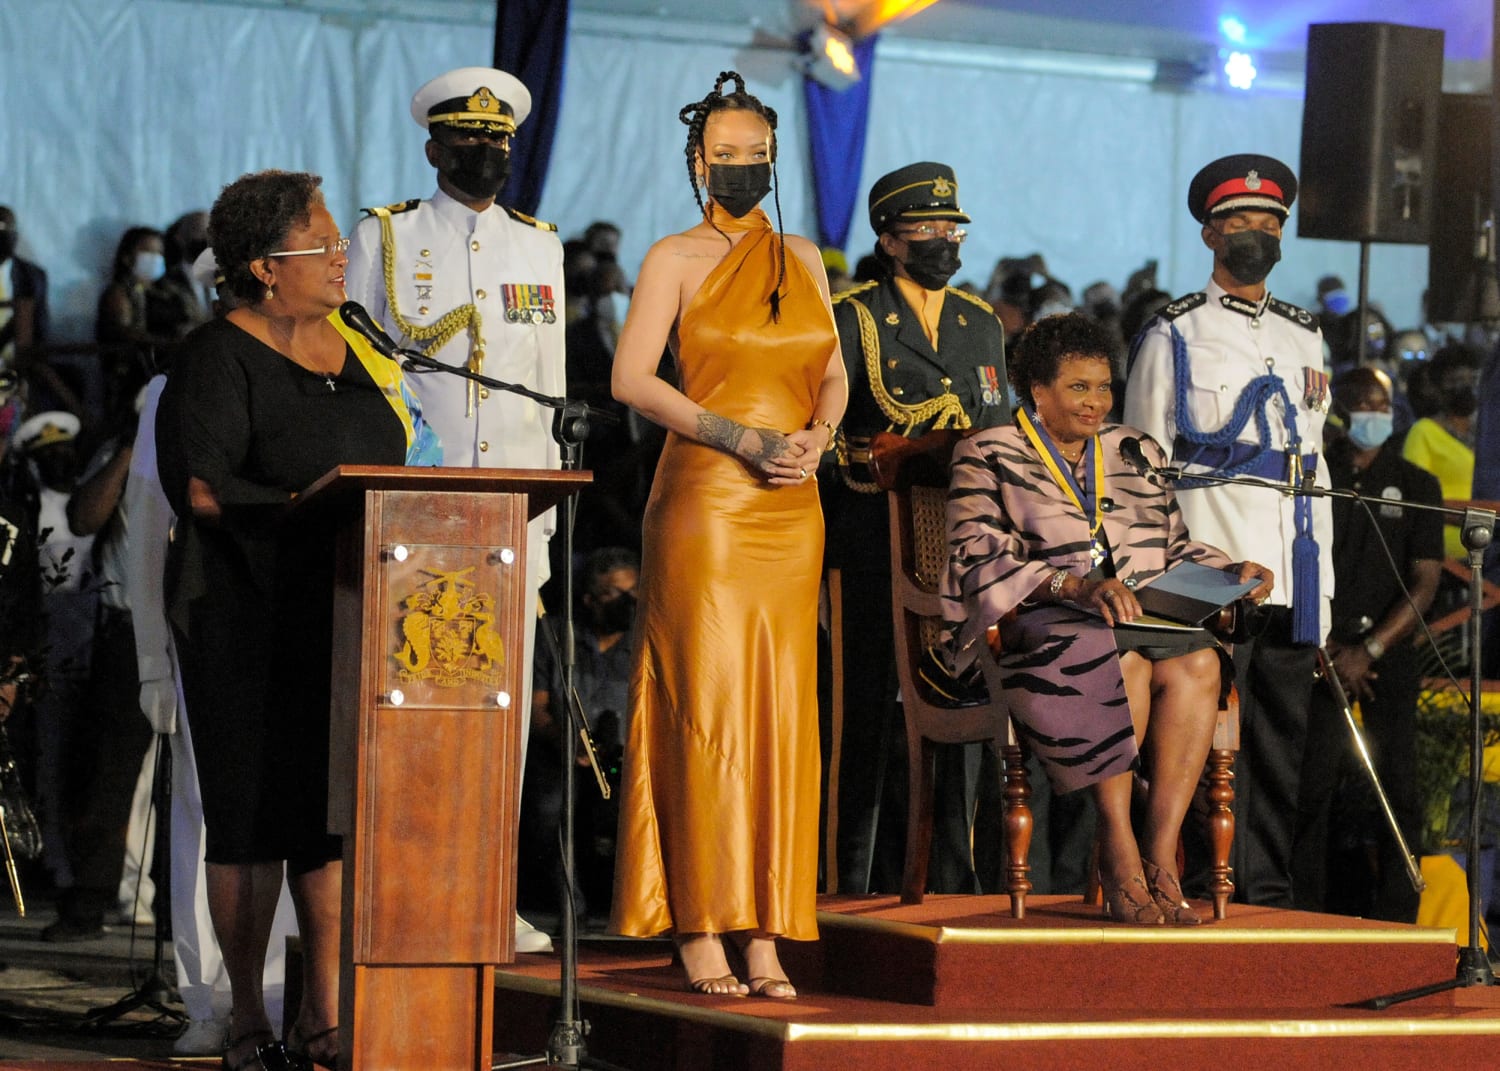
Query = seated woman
x=1050 y=533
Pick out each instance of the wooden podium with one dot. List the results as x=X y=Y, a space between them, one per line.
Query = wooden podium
x=424 y=761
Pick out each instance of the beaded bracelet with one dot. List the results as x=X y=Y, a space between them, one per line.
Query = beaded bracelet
x=1059 y=578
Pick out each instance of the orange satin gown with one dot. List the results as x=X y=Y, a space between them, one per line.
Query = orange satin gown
x=719 y=795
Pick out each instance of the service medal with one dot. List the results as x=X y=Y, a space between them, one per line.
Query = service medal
x=1315 y=389
x=529 y=303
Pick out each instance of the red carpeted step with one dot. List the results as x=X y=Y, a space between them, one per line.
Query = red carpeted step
x=964 y=952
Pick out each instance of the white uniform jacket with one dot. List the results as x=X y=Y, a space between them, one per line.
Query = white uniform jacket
x=446 y=256
x=1231 y=342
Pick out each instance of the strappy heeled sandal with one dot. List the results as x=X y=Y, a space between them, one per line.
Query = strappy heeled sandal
x=301 y=1053
x=773 y=988
x=1166 y=890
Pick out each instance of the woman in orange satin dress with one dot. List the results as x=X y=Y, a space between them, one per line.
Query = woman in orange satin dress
x=719 y=800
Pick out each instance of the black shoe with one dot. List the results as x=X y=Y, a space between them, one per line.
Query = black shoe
x=66 y=929
x=269 y=1055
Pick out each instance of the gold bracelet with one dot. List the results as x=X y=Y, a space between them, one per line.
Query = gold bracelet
x=833 y=432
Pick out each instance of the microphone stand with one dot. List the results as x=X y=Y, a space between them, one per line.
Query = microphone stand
x=1478 y=530
x=566 y=1046
x=154 y=991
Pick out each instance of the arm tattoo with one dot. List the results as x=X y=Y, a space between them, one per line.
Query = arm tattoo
x=772 y=445
x=715 y=430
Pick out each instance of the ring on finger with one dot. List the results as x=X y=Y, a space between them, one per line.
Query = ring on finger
x=802 y=473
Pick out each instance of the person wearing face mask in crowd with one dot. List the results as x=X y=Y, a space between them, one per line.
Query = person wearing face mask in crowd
x=176 y=303
x=718 y=830
x=604 y=654
x=1443 y=443
x=478 y=285
x=920 y=355
x=127 y=344
x=1374 y=647
x=1230 y=381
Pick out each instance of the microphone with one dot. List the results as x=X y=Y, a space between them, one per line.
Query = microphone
x=354 y=315
x=1132 y=454
x=1130 y=450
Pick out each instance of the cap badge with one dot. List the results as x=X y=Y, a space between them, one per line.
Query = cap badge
x=1252 y=180
x=941 y=187
x=483 y=101
x=892 y=318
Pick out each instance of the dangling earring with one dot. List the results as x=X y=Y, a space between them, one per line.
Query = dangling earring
x=270 y=293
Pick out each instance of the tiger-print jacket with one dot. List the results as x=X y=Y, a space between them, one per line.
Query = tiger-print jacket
x=1009 y=528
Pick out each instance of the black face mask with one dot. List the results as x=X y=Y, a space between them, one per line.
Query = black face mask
x=478 y=170
x=1461 y=401
x=617 y=615
x=737 y=188
x=931 y=263
x=1250 y=255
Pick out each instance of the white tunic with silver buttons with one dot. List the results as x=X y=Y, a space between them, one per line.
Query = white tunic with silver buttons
x=1227 y=349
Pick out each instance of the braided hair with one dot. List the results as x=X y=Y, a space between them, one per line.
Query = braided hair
x=695 y=117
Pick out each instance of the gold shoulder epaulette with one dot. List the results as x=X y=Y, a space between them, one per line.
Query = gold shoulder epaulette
x=395 y=209
x=522 y=217
x=983 y=304
x=858 y=288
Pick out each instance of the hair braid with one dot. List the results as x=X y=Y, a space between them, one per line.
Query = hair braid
x=781 y=239
x=695 y=117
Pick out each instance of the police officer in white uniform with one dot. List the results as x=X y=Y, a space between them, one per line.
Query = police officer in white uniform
x=477 y=285
x=1230 y=381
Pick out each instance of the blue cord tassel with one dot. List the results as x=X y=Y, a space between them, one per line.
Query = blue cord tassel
x=1307 y=601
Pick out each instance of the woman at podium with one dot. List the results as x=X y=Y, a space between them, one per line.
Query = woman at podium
x=719 y=802
x=1053 y=525
x=259 y=405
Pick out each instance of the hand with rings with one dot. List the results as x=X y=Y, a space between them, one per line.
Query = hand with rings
x=1114 y=601
x=797 y=462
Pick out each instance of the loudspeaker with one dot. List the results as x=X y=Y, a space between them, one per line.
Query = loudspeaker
x=1369 y=131
x=1462 y=204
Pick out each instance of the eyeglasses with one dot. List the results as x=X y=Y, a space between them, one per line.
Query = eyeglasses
x=340 y=246
x=926 y=230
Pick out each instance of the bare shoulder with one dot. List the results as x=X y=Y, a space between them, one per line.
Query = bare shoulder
x=805 y=249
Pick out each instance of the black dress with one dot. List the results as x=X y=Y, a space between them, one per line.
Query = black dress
x=250 y=597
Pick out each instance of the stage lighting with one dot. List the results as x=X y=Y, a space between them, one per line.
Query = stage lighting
x=829 y=57
x=1232 y=29
x=1239 y=68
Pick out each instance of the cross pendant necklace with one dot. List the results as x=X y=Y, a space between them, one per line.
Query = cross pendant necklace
x=328 y=379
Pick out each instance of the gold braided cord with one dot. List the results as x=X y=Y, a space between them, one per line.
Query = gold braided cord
x=944 y=410
x=436 y=334
x=841 y=454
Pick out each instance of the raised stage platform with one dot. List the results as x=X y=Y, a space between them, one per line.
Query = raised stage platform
x=956 y=983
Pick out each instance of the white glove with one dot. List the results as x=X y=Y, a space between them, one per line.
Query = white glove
x=159 y=704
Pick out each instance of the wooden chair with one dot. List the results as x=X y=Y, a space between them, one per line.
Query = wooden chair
x=914 y=473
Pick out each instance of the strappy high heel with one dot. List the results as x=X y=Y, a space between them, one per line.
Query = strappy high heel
x=1166 y=890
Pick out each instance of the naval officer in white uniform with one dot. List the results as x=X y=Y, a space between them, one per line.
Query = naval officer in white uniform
x=1230 y=380
x=475 y=284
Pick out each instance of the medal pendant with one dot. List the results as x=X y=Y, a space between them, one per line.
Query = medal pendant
x=1096 y=553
